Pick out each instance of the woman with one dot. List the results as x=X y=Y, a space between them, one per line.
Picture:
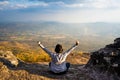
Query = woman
x=58 y=64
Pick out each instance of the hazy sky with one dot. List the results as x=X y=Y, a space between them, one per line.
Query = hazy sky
x=75 y=11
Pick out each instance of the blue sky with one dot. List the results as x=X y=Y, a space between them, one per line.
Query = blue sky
x=67 y=11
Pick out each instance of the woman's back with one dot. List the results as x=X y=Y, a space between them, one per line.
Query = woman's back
x=58 y=62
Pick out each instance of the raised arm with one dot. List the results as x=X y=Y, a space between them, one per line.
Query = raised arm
x=72 y=48
x=45 y=49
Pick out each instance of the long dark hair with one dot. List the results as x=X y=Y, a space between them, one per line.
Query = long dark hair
x=58 y=48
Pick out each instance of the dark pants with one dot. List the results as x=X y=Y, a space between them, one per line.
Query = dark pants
x=67 y=65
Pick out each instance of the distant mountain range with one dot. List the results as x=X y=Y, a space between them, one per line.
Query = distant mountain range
x=96 y=34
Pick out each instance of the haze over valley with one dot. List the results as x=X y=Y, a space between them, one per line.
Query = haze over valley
x=92 y=36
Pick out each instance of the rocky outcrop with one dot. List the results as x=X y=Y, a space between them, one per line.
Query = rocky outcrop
x=40 y=71
x=8 y=58
x=12 y=68
x=106 y=61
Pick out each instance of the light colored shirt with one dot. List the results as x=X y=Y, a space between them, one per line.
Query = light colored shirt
x=58 y=62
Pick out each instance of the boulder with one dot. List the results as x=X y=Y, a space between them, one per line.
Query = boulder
x=8 y=58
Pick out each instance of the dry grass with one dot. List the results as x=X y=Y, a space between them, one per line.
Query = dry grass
x=26 y=53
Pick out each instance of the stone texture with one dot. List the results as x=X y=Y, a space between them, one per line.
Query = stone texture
x=106 y=61
x=8 y=58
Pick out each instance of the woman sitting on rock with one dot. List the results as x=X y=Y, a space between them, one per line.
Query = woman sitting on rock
x=58 y=64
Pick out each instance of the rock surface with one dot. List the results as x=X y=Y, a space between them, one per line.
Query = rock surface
x=8 y=58
x=39 y=71
x=35 y=71
x=104 y=64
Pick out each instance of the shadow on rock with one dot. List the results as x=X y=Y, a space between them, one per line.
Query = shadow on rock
x=37 y=71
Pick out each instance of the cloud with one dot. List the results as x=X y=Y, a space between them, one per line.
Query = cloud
x=3 y=3
x=21 y=4
x=85 y=4
x=74 y=5
x=103 y=4
x=60 y=3
x=27 y=5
